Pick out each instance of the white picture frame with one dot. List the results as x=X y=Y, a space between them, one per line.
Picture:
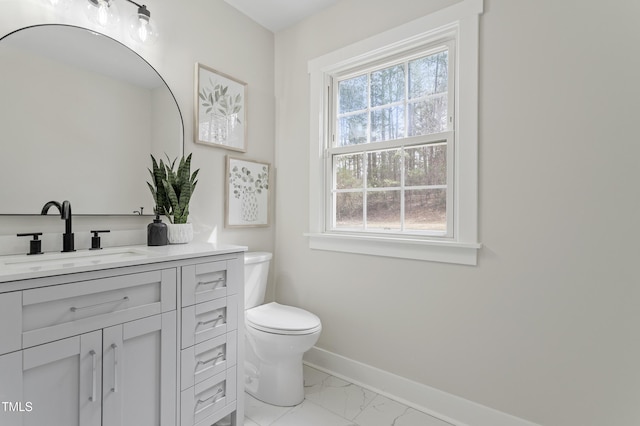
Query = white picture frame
x=247 y=193
x=220 y=109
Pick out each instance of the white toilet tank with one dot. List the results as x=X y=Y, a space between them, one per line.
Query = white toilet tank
x=256 y=272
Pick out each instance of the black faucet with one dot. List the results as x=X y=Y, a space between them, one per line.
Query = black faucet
x=65 y=214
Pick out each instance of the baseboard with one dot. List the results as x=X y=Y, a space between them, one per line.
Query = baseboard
x=450 y=408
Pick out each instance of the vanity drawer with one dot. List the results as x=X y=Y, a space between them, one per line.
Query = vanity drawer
x=206 y=359
x=206 y=281
x=205 y=398
x=55 y=312
x=10 y=322
x=207 y=320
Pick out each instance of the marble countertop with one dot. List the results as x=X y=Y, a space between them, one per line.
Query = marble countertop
x=22 y=267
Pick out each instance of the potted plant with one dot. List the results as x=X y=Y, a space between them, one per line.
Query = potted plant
x=179 y=186
x=172 y=191
x=157 y=232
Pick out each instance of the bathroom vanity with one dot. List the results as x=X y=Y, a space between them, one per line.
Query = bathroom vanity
x=126 y=336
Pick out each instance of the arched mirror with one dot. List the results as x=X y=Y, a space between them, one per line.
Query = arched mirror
x=79 y=116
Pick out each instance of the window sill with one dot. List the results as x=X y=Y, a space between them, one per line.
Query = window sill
x=404 y=248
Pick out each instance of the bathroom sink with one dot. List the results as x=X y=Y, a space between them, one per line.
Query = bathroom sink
x=72 y=259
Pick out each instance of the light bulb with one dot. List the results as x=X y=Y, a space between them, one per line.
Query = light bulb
x=103 y=12
x=59 y=4
x=142 y=28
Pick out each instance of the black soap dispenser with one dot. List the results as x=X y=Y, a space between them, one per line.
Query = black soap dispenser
x=157 y=233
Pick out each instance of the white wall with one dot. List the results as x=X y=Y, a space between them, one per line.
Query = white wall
x=206 y=31
x=546 y=326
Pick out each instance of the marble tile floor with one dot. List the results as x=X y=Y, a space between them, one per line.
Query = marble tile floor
x=330 y=401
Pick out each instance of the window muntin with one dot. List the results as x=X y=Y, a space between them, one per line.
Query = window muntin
x=391 y=157
x=393 y=190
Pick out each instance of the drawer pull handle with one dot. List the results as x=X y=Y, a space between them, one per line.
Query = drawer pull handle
x=92 y=398
x=215 y=282
x=215 y=320
x=213 y=398
x=114 y=389
x=215 y=358
x=75 y=309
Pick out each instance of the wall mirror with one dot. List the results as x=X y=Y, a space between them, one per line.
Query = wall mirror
x=79 y=116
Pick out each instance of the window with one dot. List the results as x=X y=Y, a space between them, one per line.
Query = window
x=392 y=141
x=393 y=164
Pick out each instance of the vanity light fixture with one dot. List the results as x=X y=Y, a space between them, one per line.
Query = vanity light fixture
x=105 y=14
x=141 y=27
x=59 y=4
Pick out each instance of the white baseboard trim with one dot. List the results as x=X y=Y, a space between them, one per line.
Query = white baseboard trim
x=450 y=408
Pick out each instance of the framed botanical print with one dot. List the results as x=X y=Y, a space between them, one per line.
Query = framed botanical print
x=247 y=193
x=220 y=109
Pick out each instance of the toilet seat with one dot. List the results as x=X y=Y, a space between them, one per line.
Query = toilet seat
x=282 y=319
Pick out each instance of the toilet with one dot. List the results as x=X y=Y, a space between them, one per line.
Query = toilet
x=276 y=337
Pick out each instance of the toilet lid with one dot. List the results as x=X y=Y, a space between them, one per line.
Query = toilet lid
x=282 y=319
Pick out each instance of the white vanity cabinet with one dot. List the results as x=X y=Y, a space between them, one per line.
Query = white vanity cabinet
x=212 y=309
x=149 y=343
x=95 y=351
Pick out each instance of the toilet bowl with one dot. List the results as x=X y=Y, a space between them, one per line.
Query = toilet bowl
x=276 y=338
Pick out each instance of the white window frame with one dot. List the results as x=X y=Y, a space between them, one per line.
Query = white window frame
x=446 y=43
x=462 y=20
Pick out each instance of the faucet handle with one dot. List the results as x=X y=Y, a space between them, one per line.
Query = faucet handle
x=95 y=240
x=35 y=245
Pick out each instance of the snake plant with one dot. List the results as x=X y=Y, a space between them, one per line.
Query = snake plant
x=158 y=176
x=179 y=186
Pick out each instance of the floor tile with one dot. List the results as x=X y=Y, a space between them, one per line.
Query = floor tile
x=261 y=413
x=330 y=401
x=336 y=395
x=416 y=418
x=383 y=411
x=310 y=414
x=312 y=377
x=249 y=422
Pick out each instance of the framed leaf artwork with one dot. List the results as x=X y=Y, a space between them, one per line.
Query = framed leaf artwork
x=247 y=190
x=220 y=109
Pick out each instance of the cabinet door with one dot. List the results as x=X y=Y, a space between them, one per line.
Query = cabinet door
x=139 y=369
x=58 y=383
x=11 y=389
x=10 y=322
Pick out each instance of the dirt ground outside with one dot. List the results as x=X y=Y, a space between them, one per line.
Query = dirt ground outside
x=424 y=220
